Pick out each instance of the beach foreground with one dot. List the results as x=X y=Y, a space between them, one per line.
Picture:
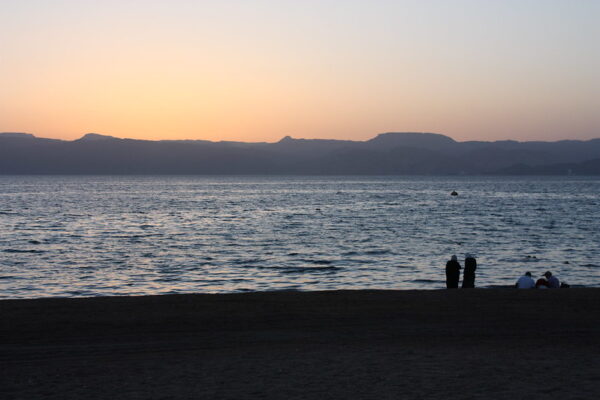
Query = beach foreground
x=482 y=343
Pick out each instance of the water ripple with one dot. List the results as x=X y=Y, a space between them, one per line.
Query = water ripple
x=91 y=235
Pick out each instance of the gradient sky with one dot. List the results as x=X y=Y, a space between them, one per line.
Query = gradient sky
x=260 y=70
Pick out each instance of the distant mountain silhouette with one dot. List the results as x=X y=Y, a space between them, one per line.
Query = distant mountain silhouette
x=431 y=141
x=95 y=137
x=407 y=153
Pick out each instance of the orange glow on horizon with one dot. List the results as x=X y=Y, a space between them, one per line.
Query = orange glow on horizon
x=258 y=72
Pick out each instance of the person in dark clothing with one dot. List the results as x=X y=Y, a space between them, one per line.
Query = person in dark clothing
x=469 y=273
x=541 y=283
x=452 y=273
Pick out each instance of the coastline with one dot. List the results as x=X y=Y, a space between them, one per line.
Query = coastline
x=497 y=343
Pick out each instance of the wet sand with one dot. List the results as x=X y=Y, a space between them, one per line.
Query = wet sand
x=482 y=343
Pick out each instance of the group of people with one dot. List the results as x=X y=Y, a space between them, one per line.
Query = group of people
x=546 y=281
x=453 y=272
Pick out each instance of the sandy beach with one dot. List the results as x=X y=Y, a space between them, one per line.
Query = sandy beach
x=482 y=343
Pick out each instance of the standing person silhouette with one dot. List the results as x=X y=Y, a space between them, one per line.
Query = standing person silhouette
x=452 y=273
x=469 y=273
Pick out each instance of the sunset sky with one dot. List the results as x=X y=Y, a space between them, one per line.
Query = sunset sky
x=261 y=70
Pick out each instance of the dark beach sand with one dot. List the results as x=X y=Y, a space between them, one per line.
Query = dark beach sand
x=487 y=343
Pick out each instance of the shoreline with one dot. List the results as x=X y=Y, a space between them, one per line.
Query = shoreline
x=498 y=343
x=246 y=292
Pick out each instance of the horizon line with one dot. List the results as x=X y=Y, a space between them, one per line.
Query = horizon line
x=97 y=136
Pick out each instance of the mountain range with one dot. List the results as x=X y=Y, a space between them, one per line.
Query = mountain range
x=394 y=153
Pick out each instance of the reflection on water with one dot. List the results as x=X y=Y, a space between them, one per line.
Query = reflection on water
x=90 y=236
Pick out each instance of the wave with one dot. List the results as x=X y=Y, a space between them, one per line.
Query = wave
x=376 y=252
x=22 y=251
x=302 y=270
x=318 y=262
x=248 y=261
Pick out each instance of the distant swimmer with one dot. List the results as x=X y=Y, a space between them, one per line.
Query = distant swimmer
x=454 y=193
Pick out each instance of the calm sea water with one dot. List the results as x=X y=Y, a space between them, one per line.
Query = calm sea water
x=100 y=235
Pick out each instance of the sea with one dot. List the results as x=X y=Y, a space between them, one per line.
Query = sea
x=82 y=236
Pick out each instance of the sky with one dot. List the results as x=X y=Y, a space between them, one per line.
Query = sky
x=262 y=70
